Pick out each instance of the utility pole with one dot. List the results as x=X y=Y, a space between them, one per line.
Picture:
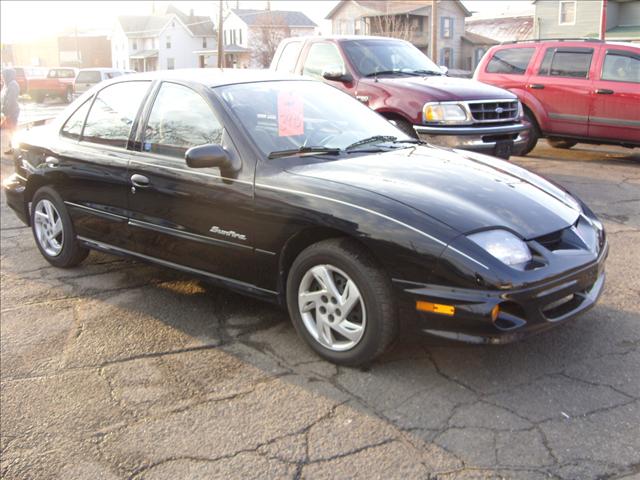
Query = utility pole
x=220 y=37
x=434 y=31
x=603 y=20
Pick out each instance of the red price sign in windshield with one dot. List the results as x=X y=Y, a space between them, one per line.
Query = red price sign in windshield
x=290 y=114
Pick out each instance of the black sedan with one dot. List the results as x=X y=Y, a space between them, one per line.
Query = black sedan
x=291 y=191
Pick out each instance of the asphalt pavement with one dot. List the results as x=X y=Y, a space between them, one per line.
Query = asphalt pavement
x=117 y=369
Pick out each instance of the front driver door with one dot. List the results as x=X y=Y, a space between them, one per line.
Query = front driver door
x=193 y=217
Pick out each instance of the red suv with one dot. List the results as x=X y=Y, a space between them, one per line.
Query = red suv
x=571 y=90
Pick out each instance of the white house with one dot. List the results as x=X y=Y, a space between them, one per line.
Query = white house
x=252 y=36
x=164 y=41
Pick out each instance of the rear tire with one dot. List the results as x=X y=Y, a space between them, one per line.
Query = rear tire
x=53 y=230
x=561 y=143
x=68 y=96
x=339 y=274
x=38 y=97
x=534 y=133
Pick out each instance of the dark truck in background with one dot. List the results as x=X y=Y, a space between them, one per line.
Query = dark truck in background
x=397 y=80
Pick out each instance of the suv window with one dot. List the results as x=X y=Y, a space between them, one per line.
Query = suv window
x=289 y=57
x=512 y=61
x=180 y=119
x=321 y=55
x=621 y=66
x=72 y=128
x=89 y=77
x=113 y=113
x=61 y=73
x=567 y=62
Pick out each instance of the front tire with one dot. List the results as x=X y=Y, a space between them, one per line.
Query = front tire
x=68 y=96
x=405 y=126
x=341 y=302
x=534 y=133
x=53 y=230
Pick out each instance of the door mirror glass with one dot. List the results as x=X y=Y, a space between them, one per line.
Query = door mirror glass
x=444 y=69
x=336 y=73
x=204 y=156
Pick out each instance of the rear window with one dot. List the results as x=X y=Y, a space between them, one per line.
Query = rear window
x=89 y=77
x=621 y=66
x=572 y=63
x=513 y=61
x=289 y=57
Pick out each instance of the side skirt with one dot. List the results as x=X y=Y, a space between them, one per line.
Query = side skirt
x=236 y=285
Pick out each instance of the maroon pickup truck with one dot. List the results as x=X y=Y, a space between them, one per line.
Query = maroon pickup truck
x=398 y=81
x=57 y=83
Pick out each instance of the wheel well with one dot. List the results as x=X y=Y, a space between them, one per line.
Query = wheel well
x=296 y=244
x=393 y=116
x=533 y=116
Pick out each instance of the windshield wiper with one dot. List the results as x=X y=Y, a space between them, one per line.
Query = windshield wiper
x=374 y=139
x=426 y=72
x=303 y=150
x=385 y=72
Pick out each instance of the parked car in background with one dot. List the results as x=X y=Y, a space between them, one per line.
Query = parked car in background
x=57 y=83
x=88 y=77
x=288 y=190
x=23 y=74
x=398 y=81
x=572 y=91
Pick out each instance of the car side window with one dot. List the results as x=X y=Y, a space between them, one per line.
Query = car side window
x=321 y=56
x=569 y=62
x=513 y=61
x=72 y=128
x=113 y=112
x=289 y=57
x=621 y=66
x=180 y=119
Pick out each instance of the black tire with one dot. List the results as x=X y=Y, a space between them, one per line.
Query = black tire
x=381 y=325
x=72 y=252
x=534 y=133
x=561 y=142
x=405 y=126
x=38 y=97
x=67 y=97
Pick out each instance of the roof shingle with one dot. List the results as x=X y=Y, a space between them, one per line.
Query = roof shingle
x=270 y=18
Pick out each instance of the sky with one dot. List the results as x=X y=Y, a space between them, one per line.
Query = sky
x=20 y=22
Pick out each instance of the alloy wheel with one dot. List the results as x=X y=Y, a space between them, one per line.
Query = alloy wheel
x=332 y=308
x=48 y=227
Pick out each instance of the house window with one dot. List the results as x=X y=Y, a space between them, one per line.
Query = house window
x=240 y=35
x=233 y=36
x=171 y=63
x=478 y=54
x=168 y=42
x=567 y=15
x=446 y=27
x=204 y=42
x=135 y=45
x=446 y=57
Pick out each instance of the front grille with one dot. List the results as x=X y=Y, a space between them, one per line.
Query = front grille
x=494 y=111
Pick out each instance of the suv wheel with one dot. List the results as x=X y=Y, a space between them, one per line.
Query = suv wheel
x=534 y=133
x=341 y=303
x=68 y=96
x=53 y=230
x=561 y=143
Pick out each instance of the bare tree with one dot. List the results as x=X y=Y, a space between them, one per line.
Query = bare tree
x=271 y=29
x=395 y=26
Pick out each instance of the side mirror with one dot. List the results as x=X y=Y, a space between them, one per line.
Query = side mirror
x=336 y=73
x=208 y=156
x=444 y=70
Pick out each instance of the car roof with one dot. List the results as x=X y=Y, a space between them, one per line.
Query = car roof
x=214 y=77
x=343 y=37
x=568 y=42
x=100 y=69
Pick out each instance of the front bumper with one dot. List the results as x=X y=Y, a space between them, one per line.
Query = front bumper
x=15 y=187
x=523 y=311
x=475 y=138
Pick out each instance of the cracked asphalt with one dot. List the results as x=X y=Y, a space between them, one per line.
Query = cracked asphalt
x=118 y=369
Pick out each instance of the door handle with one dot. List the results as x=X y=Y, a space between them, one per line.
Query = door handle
x=51 y=162
x=604 y=91
x=139 y=181
x=536 y=86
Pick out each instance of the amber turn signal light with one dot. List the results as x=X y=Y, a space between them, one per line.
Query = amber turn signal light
x=495 y=311
x=435 y=308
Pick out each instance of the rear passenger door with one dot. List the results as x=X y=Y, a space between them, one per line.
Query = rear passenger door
x=562 y=84
x=199 y=218
x=615 y=99
x=93 y=155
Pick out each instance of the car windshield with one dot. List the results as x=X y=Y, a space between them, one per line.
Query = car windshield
x=89 y=76
x=373 y=57
x=288 y=117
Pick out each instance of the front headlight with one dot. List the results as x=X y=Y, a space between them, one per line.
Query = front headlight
x=444 y=113
x=503 y=245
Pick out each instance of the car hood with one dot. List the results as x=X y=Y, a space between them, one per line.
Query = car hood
x=442 y=88
x=464 y=190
